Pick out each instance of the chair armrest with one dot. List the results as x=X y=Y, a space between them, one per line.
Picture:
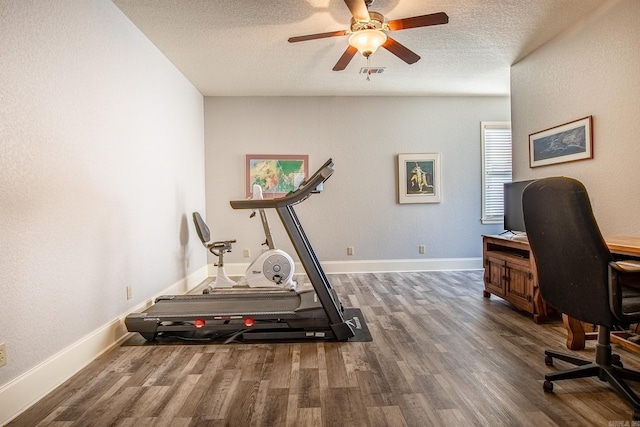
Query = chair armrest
x=627 y=266
x=624 y=290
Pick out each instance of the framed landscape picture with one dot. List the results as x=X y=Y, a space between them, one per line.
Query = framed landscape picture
x=277 y=174
x=419 y=178
x=565 y=143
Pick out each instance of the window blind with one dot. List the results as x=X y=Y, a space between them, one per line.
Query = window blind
x=496 y=169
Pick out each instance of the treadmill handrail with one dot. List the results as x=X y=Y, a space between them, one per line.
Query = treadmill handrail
x=297 y=196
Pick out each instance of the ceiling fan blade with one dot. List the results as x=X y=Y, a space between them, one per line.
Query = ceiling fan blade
x=317 y=36
x=400 y=51
x=418 y=21
x=345 y=58
x=358 y=9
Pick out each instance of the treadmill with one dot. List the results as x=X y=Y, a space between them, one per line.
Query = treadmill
x=248 y=314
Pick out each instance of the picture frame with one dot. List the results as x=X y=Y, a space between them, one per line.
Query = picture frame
x=560 y=144
x=277 y=174
x=419 y=178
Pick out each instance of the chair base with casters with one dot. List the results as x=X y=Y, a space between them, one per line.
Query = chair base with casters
x=607 y=367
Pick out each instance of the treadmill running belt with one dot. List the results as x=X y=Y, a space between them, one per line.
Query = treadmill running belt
x=223 y=307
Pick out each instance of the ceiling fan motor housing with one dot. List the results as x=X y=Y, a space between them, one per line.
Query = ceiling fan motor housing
x=375 y=22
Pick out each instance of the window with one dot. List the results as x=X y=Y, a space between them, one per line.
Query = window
x=496 y=169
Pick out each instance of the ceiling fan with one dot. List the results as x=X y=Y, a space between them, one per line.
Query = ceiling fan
x=368 y=32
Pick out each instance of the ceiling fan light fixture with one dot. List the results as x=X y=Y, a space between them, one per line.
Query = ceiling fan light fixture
x=367 y=41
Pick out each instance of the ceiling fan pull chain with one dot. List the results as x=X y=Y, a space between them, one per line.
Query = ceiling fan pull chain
x=368 y=69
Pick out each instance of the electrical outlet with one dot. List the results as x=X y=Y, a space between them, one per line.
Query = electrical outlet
x=247 y=253
x=421 y=249
x=129 y=292
x=349 y=250
x=3 y=354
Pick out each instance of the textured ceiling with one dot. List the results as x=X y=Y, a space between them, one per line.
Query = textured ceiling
x=240 y=48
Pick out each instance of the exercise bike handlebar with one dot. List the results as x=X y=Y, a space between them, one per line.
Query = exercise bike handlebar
x=300 y=194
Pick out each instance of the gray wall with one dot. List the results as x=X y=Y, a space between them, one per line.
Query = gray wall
x=359 y=204
x=101 y=161
x=590 y=69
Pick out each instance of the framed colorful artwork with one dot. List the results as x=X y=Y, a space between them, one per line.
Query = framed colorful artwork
x=277 y=174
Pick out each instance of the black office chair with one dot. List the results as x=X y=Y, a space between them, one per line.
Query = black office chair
x=578 y=276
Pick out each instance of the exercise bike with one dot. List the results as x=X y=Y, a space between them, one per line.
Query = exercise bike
x=274 y=268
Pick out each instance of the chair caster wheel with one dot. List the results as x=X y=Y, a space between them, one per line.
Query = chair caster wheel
x=547 y=386
x=205 y=291
x=615 y=360
x=548 y=360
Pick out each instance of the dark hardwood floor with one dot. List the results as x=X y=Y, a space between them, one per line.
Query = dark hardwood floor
x=441 y=355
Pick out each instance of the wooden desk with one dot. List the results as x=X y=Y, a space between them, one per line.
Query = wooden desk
x=576 y=335
x=624 y=245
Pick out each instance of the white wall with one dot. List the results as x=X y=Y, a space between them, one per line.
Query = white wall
x=591 y=69
x=359 y=205
x=101 y=163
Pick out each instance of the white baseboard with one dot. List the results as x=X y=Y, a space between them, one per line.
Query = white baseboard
x=399 y=265
x=21 y=393
x=374 y=266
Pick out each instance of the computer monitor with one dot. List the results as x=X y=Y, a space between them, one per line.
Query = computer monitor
x=513 y=215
